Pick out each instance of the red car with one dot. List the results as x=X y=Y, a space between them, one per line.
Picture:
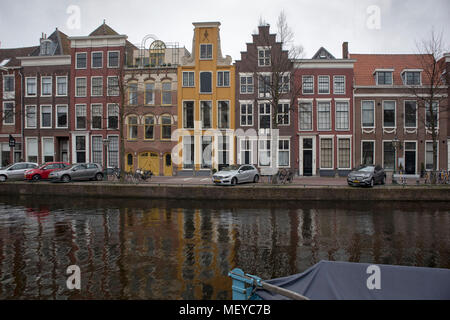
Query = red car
x=44 y=170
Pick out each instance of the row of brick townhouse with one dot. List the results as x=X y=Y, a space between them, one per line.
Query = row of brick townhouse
x=185 y=113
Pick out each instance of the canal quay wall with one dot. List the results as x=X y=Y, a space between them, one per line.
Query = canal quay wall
x=241 y=192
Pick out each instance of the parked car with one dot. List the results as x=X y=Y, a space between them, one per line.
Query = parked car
x=235 y=174
x=78 y=171
x=367 y=175
x=16 y=171
x=44 y=170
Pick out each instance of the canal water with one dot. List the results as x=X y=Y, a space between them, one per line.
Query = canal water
x=145 y=249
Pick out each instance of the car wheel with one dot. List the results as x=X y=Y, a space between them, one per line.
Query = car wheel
x=2 y=178
x=65 y=178
x=234 y=181
x=256 y=179
x=99 y=177
x=36 y=177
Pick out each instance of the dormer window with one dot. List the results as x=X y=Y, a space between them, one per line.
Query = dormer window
x=46 y=46
x=411 y=77
x=206 y=51
x=384 y=77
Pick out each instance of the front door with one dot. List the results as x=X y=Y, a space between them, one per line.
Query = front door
x=168 y=164
x=307 y=156
x=64 y=150
x=410 y=157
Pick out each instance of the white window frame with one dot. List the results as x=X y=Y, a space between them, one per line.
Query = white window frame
x=278 y=152
x=67 y=116
x=244 y=149
x=101 y=149
x=284 y=102
x=35 y=116
x=437 y=115
x=264 y=114
x=108 y=86
x=303 y=81
x=344 y=137
x=85 y=116
x=51 y=86
x=108 y=113
x=395 y=156
x=210 y=114
x=13 y=111
x=382 y=70
x=405 y=76
x=194 y=113
x=229 y=114
x=265 y=48
x=404 y=114
x=187 y=73
x=246 y=76
x=310 y=102
x=395 y=114
x=326 y=137
x=76 y=87
x=27 y=153
x=108 y=150
x=200 y=82
x=246 y=103
x=101 y=116
x=200 y=51
x=4 y=83
x=374 y=114
x=92 y=86
x=318 y=84
x=265 y=149
x=334 y=84
x=328 y=101
x=51 y=116
x=76 y=60
x=26 y=87
x=42 y=148
x=265 y=94
x=336 y=101
x=92 y=60
x=437 y=155
x=374 y=151
x=118 y=59
x=223 y=79
x=67 y=86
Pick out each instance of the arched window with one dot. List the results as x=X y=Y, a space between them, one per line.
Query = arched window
x=132 y=122
x=149 y=127
x=157 y=53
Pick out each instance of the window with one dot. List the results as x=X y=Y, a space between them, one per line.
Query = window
x=80 y=149
x=205 y=82
x=61 y=86
x=188 y=152
x=188 y=114
x=368 y=153
x=308 y=84
x=342 y=116
x=246 y=114
x=324 y=116
x=113 y=152
x=284 y=84
x=389 y=114
x=188 y=79
x=132 y=94
x=206 y=114
x=344 y=153
x=223 y=78
x=283 y=153
x=81 y=60
x=149 y=93
x=97 y=149
x=368 y=114
x=48 y=150
x=97 y=60
x=283 y=114
x=388 y=155
x=206 y=51
x=410 y=114
x=113 y=59
x=132 y=127
x=246 y=84
x=265 y=81
x=96 y=86
x=339 y=84
x=8 y=83
x=166 y=93
x=206 y=152
x=96 y=116
x=224 y=150
x=80 y=87
x=384 y=77
x=326 y=153
x=113 y=86
x=46 y=86
x=8 y=113
x=166 y=127
x=224 y=115
x=46 y=116
x=265 y=116
x=113 y=116
x=411 y=78
x=263 y=57
x=429 y=155
x=324 y=84
x=246 y=151
x=61 y=116
x=32 y=150
x=305 y=116
x=31 y=87
x=30 y=117
x=149 y=128
x=264 y=153
x=80 y=111
x=429 y=120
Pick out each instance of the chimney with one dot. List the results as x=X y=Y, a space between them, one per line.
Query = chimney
x=345 y=50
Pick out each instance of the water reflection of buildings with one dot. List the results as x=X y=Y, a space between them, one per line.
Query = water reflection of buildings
x=159 y=253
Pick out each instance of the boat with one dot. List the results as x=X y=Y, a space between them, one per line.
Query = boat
x=335 y=280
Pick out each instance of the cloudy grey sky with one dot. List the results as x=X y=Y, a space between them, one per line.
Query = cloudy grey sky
x=370 y=26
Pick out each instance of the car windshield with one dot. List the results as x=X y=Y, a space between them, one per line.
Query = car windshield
x=230 y=168
x=43 y=166
x=70 y=167
x=366 y=169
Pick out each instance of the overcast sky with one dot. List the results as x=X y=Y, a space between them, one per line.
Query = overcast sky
x=370 y=26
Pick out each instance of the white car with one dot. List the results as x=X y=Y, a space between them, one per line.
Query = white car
x=235 y=174
x=16 y=171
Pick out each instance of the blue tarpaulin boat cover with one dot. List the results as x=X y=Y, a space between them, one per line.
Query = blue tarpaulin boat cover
x=329 y=280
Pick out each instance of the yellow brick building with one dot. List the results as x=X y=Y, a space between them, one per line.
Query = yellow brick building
x=206 y=104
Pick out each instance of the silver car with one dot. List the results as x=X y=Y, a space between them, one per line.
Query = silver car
x=235 y=174
x=16 y=171
x=78 y=171
x=367 y=175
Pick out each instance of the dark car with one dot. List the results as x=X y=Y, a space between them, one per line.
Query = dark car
x=44 y=170
x=367 y=175
x=78 y=171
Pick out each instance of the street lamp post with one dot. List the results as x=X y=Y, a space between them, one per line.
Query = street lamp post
x=105 y=159
x=396 y=144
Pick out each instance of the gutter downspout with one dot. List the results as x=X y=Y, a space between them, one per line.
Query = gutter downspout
x=22 y=118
